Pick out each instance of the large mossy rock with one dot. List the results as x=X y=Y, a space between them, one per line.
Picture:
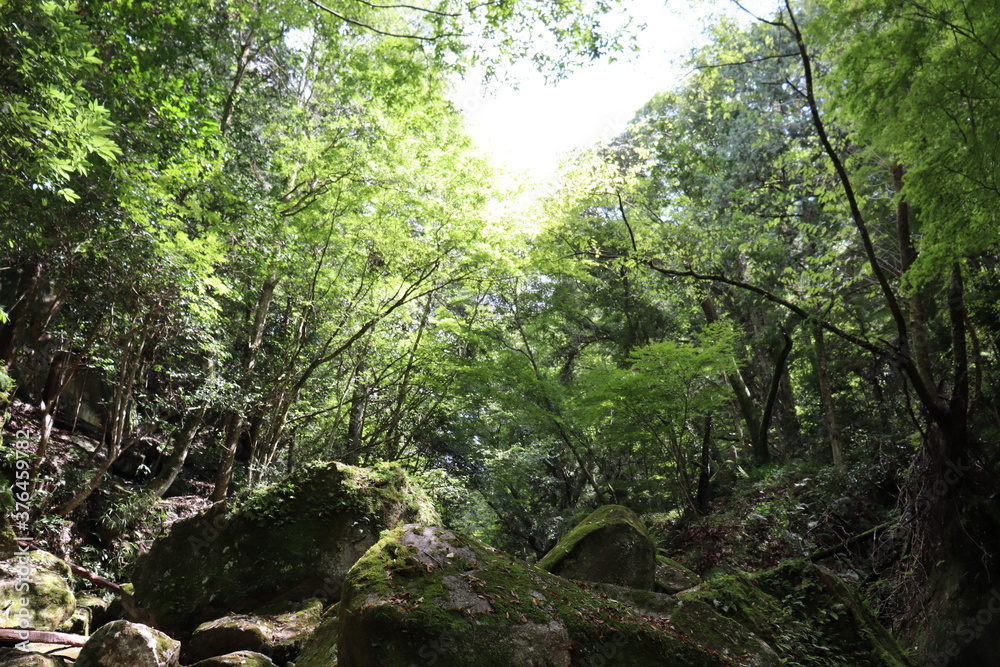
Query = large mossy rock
x=290 y=541
x=125 y=644
x=320 y=649
x=806 y=613
x=8 y=541
x=237 y=659
x=47 y=600
x=278 y=632
x=10 y=657
x=610 y=546
x=672 y=577
x=429 y=596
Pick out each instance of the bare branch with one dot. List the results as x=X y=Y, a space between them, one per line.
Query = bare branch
x=371 y=28
x=751 y=61
x=777 y=24
x=413 y=7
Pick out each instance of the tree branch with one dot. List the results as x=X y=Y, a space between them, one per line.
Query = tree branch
x=16 y=635
x=371 y=28
x=751 y=61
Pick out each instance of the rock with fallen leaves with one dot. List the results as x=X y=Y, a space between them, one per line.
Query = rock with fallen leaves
x=428 y=595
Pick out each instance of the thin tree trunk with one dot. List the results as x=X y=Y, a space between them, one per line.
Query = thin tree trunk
x=907 y=255
x=356 y=415
x=393 y=436
x=182 y=444
x=772 y=395
x=235 y=419
x=234 y=428
x=744 y=398
x=826 y=397
x=48 y=403
x=120 y=417
x=703 y=494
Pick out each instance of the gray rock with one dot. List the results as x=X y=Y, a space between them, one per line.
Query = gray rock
x=237 y=659
x=278 y=632
x=11 y=657
x=672 y=577
x=610 y=546
x=126 y=644
x=49 y=594
x=291 y=541
x=430 y=596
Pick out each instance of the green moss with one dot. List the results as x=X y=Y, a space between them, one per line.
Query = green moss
x=400 y=600
x=600 y=518
x=805 y=613
x=301 y=535
x=49 y=595
x=238 y=659
x=378 y=494
x=320 y=650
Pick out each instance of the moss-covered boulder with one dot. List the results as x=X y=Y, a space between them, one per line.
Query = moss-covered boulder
x=806 y=613
x=237 y=659
x=672 y=577
x=290 y=541
x=320 y=650
x=8 y=541
x=10 y=657
x=429 y=596
x=126 y=644
x=278 y=632
x=36 y=591
x=93 y=608
x=610 y=546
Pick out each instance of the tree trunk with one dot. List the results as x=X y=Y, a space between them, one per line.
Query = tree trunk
x=772 y=396
x=12 y=331
x=234 y=428
x=744 y=399
x=703 y=495
x=356 y=416
x=235 y=419
x=826 y=398
x=175 y=463
x=907 y=255
x=121 y=410
x=48 y=403
x=394 y=435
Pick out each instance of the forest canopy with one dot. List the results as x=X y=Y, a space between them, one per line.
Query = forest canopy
x=242 y=236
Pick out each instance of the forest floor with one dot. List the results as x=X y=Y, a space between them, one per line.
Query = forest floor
x=845 y=521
